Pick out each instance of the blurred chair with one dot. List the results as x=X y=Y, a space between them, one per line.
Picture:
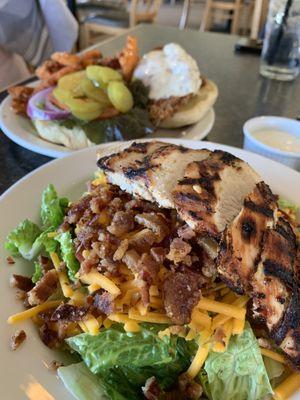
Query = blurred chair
x=230 y=10
x=106 y=18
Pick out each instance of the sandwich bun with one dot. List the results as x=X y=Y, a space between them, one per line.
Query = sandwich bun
x=195 y=109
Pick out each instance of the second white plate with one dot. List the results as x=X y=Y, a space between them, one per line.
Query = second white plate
x=21 y=131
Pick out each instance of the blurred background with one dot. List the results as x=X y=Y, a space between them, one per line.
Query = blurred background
x=30 y=31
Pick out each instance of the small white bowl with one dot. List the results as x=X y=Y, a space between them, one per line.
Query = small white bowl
x=292 y=159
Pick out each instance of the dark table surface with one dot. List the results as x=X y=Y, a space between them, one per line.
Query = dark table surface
x=242 y=92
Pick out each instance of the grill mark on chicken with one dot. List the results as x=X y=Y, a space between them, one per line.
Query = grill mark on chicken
x=291 y=319
x=257 y=256
x=188 y=196
x=248 y=228
x=241 y=243
x=258 y=209
x=274 y=268
x=198 y=197
x=227 y=158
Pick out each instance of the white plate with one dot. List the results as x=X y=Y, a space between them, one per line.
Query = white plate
x=21 y=131
x=22 y=373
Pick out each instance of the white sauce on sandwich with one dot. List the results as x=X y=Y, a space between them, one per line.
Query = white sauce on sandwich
x=278 y=139
x=169 y=72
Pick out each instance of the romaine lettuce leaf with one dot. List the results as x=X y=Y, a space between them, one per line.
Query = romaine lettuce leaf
x=37 y=272
x=112 y=347
x=20 y=241
x=275 y=370
x=239 y=373
x=28 y=241
x=166 y=374
x=68 y=253
x=81 y=383
x=52 y=208
x=108 y=385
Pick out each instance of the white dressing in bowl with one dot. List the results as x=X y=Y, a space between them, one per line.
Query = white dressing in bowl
x=278 y=139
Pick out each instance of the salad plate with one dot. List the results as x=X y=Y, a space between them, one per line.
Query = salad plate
x=21 y=131
x=23 y=373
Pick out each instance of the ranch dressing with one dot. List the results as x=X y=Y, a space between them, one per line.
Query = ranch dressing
x=278 y=139
x=169 y=72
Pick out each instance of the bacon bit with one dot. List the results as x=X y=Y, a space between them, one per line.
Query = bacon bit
x=189 y=388
x=122 y=222
x=121 y=250
x=185 y=232
x=69 y=313
x=181 y=293
x=265 y=343
x=10 y=260
x=44 y=288
x=104 y=303
x=17 y=339
x=154 y=221
x=179 y=249
x=21 y=282
x=152 y=389
x=54 y=365
x=158 y=253
x=131 y=259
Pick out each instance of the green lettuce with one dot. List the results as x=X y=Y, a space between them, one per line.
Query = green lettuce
x=68 y=253
x=52 y=208
x=37 y=272
x=284 y=203
x=22 y=240
x=124 y=361
x=113 y=347
x=275 y=370
x=108 y=385
x=239 y=373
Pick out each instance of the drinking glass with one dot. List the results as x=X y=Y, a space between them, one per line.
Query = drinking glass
x=281 y=48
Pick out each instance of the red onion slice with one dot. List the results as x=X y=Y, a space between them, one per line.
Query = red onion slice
x=39 y=108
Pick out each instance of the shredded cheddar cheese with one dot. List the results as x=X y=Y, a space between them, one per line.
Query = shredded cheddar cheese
x=93 y=287
x=156 y=318
x=102 y=280
x=230 y=310
x=201 y=319
x=100 y=179
x=221 y=346
x=107 y=323
x=153 y=290
x=238 y=326
x=272 y=354
x=141 y=308
x=62 y=276
x=224 y=317
x=191 y=334
x=131 y=326
x=91 y=324
x=287 y=387
x=198 y=361
x=77 y=298
x=31 y=312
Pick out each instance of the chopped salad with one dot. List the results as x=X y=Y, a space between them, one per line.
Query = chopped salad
x=86 y=295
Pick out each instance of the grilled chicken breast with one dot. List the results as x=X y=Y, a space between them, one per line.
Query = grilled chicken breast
x=212 y=192
x=232 y=215
x=240 y=244
x=258 y=256
x=150 y=170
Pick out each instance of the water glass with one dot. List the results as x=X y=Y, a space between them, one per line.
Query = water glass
x=281 y=48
